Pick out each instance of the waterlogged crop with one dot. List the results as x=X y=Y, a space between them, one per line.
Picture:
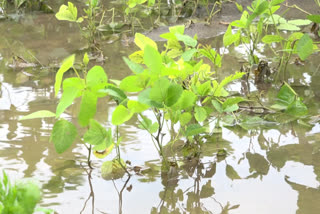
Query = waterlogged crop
x=250 y=33
x=172 y=91
x=20 y=197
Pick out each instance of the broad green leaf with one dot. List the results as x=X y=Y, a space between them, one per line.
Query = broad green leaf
x=287 y=26
x=217 y=105
x=314 y=18
x=268 y=39
x=305 y=47
x=300 y=22
x=63 y=135
x=136 y=106
x=131 y=84
x=195 y=129
x=74 y=82
x=113 y=169
x=186 y=100
x=144 y=97
x=134 y=67
x=252 y=123
x=231 y=173
x=231 y=102
x=88 y=107
x=120 y=115
x=94 y=3
x=204 y=89
x=185 y=118
x=96 y=79
x=67 y=13
x=229 y=38
x=142 y=41
x=297 y=108
x=38 y=114
x=165 y=92
x=187 y=40
x=116 y=93
x=285 y=96
x=152 y=59
x=68 y=96
x=200 y=113
x=97 y=135
x=66 y=65
x=137 y=57
x=187 y=55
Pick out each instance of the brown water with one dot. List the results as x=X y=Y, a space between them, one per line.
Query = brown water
x=267 y=170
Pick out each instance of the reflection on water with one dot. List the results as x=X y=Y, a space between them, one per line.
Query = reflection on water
x=266 y=170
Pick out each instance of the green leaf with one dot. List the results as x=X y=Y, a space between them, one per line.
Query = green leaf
x=204 y=89
x=97 y=135
x=187 y=40
x=314 y=18
x=287 y=26
x=142 y=41
x=297 y=108
x=268 y=39
x=217 y=105
x=218 y=91
x=96 y=79
x=38 y=114
x=285 y=96
x=68 y=96
x=152 y=59
x=230 y=104
x=186 y=100
x=260 y=9
x=88 y=107
x=63 y=134
x=239 y=7
x=229 y=38
x=187 y=55
x=94 y=3
x=300 y=22
x=116 y=93
x=185 y=118
x=165 y=92
x=67 y=13
x=276 y=2
x=231 y=173
x=305 y=47
x=195 y=129
x=136 y=106
x=113 y=169
x=85 y=59
x=200 y=113
x=178 y=29
x=134 y=67
x=131 y=84
x=144 y=97
x=66 y=65
x=120 y=115
x=147 y=124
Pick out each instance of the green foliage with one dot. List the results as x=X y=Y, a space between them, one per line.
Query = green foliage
x=21 y=197
x=68 y=13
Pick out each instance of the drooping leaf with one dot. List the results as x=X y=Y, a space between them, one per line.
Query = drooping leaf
x=68 y=96
x=63 y=135
x=38 y=114
x=66 y=65
x=116 y=93
x=134 y=67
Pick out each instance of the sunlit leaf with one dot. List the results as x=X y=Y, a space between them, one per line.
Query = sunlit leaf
x=38 y=114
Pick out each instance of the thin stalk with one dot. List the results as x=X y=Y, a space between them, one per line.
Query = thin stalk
x=118 y=152
x=89 y=156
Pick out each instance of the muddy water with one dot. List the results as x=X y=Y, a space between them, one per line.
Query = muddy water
x=267 y=170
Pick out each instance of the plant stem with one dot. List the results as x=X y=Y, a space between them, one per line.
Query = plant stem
x=89 y=157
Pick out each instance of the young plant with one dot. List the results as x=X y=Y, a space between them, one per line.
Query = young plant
x=21 y=197
x=89 y=30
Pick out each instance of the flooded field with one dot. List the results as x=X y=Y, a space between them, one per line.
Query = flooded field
x=266 y=167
